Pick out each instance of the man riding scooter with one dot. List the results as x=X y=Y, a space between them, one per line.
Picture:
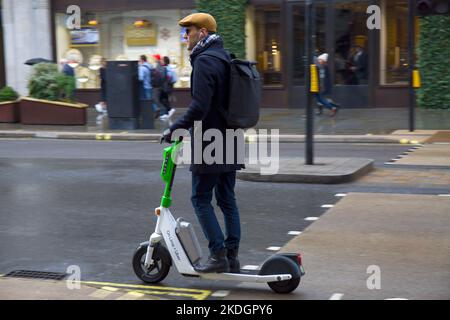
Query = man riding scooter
x=209 y=90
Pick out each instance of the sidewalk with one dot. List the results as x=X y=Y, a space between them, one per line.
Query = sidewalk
x=373 y=246
x=32 y=289
x=350 y=125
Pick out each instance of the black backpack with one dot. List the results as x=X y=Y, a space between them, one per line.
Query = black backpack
x=244 y=98
x=159 y=76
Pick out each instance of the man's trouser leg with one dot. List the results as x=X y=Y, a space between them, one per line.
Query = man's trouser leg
x=202 y=192
x=226 y=200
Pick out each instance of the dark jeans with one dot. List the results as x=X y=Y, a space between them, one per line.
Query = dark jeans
x=202 y=192
x=324 y=101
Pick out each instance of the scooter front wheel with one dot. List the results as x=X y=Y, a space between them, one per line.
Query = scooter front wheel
x=160 y=267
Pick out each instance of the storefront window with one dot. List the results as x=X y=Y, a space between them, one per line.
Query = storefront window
x=351 y=46
x=268 y=35
x=394 y=42
x=115 y=35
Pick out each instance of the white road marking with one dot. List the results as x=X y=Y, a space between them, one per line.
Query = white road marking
x=327 y=206
x=273 y=248
x=312 y=218
x=444 y=195
x=336 y=296
x=340 y=195
x=220 y=293
x=294 y=233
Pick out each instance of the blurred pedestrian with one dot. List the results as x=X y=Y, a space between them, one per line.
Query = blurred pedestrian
x=166 y=96
x=66 y=68
x=145 y=81
x=359 y=65
x=325 y=87
x=102 y=105
x=159 y=80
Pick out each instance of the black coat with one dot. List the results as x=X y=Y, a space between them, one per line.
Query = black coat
x=209 y=91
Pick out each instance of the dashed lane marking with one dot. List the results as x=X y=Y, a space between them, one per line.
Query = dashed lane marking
x=197 y=294
x=294 y=233
x=273 y=248
x=327 y=206
x=340 y=195
x=311 y=218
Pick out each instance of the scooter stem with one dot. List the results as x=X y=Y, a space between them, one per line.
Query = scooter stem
x=168 y=171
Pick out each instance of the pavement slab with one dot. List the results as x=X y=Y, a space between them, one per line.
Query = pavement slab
x=33 y=289
x=427 y=155
x=405 y=237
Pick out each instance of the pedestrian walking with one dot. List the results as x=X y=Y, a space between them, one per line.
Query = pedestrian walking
x=209 y=90
x=159 y=81
x=359 y=65
x=102 y=105
x=166 y=96
x=325 y=87
x=145 y=77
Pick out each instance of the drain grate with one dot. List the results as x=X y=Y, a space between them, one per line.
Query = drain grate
x=43 y=275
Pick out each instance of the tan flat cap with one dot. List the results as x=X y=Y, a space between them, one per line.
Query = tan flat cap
x=200 y=20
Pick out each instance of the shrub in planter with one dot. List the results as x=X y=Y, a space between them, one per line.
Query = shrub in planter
x=51 y=98
x=8 y=94
x=47 y=83
x=9 y=109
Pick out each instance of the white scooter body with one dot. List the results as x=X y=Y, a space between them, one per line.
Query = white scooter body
x=166 y=229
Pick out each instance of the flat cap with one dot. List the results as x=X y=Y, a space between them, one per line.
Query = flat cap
x=200 y=20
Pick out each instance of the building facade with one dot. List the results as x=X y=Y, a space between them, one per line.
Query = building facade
x=368 y=67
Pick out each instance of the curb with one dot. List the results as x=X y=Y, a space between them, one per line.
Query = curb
x=316 y=178
x=155 y=137
x=81 y=135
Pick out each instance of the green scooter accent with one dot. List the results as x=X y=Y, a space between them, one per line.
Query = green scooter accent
x=168 y=171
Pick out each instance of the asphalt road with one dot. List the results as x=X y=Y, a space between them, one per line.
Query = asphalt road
x=90 y=203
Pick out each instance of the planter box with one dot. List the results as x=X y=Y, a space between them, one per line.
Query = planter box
x=35 y=111
x=9 y=111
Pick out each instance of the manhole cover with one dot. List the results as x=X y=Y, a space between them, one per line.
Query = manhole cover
x=36 y=275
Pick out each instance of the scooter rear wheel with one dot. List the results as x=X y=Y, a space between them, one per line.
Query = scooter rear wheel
x=161 y=264
x=281 y=265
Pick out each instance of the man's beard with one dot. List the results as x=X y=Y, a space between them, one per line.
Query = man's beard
x=193 y=44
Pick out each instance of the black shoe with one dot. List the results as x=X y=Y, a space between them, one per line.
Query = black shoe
x=233 y=261
x=320 y=107
x=217 y=262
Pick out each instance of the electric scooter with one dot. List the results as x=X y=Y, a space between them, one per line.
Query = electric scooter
x=152 y=260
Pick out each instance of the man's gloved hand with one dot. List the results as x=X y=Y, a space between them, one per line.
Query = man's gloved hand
x=166 y=136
